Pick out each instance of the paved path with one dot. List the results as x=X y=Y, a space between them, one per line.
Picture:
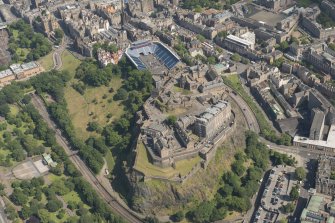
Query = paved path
x=3 y=217
x=57 y=55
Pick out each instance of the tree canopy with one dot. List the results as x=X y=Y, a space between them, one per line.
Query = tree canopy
x=300 y=173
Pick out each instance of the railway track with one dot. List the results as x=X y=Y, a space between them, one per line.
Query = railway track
x=114 y=204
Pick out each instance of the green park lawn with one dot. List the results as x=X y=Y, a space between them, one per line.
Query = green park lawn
x=47 y=61
x=70 y=63
x=110 y=160
x=52 y=177
x=92 y=107
x=145 y=166
x=14 y=109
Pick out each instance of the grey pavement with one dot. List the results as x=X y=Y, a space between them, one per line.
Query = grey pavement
x=3 y=217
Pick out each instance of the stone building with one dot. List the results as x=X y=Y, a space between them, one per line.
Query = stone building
x=20 y=71
x=321 y=57
x=318 y=123
x=138 y=7
x=324 y=183
x=48 y=24
x=308 y=21
x=214 y=118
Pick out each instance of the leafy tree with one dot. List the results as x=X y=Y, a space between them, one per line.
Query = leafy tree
x=58 y=170
x=294 y=194
x=80 y=87
x=283 y=220
x=211 y=60
x=54 y=205
x=26 y=99
x=92 y=126
x=325 y=20
x=27 y=38
x=245 y=60
x=236 y=57
x=151 y=220
x=300 y=173
x=25 y=212
x=202 y=213
x=284 y=45
x=2 y=189
x=222 y=34
x=11 y=93
x=11 y=212
x=178 y=216
x=18 y=197
x=201 y=38
x=171 y=120
x=59 y=187
x=254 y=173
x=294 y=40
x=92 y=75
x=288 y=208
x=61 y=214
x=197 y=5
x=59 y=33
x=331 y=46
x=241 y=204
x=113 y=138
x=238 y=168
x=87 y=218
x=4 y=110
x=218 y=214
x=44 y=215
x=72 y=205
x=99 y=144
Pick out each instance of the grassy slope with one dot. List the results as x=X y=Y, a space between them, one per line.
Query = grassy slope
x=110 y=160
x=70 y=63
x=81 y=106
x=47 y=61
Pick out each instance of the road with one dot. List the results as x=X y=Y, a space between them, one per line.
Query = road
x=247 y=113
x=3 y=217
x=57 y=55
x=105 y=194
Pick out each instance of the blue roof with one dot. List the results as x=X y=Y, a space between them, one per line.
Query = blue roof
x=146 y=47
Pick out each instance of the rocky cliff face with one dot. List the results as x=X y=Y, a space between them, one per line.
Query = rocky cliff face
x=164 y=198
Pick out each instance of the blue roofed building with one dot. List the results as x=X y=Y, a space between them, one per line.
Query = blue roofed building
x=153 y=56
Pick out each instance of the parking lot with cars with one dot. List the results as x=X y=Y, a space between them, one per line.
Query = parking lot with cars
x=276 y=194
